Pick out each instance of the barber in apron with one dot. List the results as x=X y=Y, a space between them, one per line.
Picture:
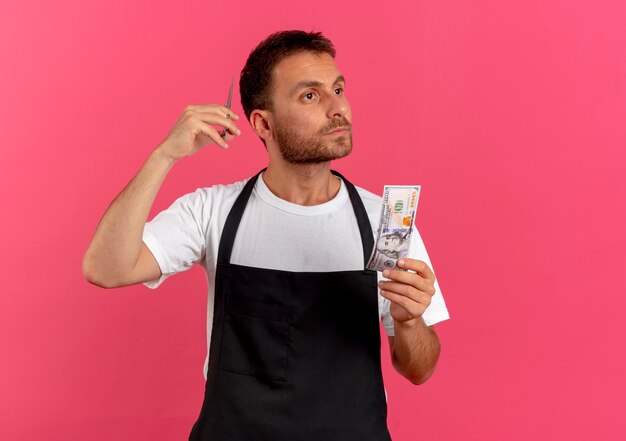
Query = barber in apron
x=294 y=356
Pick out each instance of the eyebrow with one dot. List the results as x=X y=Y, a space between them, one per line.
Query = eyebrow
x=305 y=84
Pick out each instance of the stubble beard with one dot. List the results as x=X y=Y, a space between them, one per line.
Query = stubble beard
x=302 y=149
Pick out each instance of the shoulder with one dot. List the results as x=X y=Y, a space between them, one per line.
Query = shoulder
x=204 y=203
x=223 y=193
x=371 y=201
x=216 y=194
x=219 y=198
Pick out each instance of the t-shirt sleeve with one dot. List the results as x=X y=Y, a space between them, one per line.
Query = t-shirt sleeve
x=436 y=311
x=177 y=236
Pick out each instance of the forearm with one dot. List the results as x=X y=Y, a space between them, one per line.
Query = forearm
x=416 y=350
x=117 y=242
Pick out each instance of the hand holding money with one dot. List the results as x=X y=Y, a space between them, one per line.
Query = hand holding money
x=409 y=291
x=394 y=229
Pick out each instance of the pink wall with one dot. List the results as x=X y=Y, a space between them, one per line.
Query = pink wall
x=510 y=114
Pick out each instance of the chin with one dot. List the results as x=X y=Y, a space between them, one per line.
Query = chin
x=346 y=150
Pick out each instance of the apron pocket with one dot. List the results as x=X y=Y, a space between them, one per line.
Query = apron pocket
x=255 y=338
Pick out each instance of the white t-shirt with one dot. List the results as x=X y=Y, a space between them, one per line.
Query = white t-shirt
x=273 y=234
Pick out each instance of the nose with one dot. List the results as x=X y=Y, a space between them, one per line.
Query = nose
x=338 y=106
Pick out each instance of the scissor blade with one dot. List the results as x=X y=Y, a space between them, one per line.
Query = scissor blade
x=230 y=93
x=230 y=98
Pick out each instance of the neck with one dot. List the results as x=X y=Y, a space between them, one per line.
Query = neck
x=302 y=184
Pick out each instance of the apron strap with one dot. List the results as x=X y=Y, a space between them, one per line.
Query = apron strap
x=236 y=213
x=232 y=221
x=365 y=228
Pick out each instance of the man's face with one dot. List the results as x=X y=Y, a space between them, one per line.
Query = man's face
x=312 y=118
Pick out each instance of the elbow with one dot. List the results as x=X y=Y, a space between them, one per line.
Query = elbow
x=94 y=280
x=419 y=374
x=100 y=284
x=419 y=379
x=416 y=377
x=91 y=276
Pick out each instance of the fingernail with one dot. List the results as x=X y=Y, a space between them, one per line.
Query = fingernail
x=385 y=273
x=401 y=262
x=225 y=145
x=238 y=132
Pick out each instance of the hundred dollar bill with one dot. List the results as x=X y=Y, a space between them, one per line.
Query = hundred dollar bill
x=396 y=222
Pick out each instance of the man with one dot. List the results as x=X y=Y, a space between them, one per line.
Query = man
x=293 y=321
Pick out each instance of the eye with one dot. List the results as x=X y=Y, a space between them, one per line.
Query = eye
x=309 y=96
x=338 y=90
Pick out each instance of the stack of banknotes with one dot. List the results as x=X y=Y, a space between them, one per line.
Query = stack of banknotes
x=396 y=223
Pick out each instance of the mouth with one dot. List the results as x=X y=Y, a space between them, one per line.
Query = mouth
x=339 y=131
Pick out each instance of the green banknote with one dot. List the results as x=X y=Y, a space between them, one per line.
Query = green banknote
x=396 y=224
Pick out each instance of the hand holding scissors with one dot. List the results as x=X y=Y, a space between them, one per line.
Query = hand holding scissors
x=195 y=129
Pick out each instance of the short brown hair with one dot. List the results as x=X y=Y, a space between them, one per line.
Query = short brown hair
x=256 y=76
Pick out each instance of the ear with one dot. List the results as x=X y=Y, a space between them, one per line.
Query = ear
x=261 y=122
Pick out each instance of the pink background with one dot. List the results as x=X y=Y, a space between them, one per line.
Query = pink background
x=510 y=114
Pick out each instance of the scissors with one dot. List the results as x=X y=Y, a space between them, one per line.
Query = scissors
x=227 y=105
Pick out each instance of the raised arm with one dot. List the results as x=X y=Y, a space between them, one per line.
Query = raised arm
x=117 y=255
x=415 y=347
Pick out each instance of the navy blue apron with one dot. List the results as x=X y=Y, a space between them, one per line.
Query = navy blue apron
x=294 y=356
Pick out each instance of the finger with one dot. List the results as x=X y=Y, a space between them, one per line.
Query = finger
x=415 y=309
x=220 y=120
x=228 y=113
x=228 y=136
x=213 y=108
x=418 y=266
x=410 y=278
x=210 y=131
x=405 y=290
